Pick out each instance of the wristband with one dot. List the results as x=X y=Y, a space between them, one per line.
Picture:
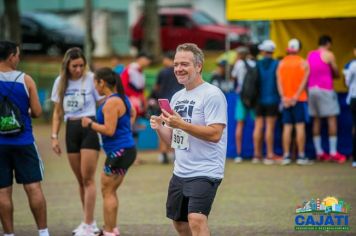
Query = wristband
x=54 y=136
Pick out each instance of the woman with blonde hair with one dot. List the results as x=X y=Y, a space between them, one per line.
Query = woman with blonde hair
x=115 y=119
x=74 y=97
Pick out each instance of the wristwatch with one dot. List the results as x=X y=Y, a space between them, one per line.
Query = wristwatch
x=54 y=136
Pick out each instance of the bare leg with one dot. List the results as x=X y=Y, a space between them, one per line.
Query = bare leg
x=198 y=224
x=37 y=203
x=300 y=130
x=332 y=126
x=316 y=126
x=164 y=149
x=238 y=135
x=269 y=136
x=74 y=161
x=89 y=160
x=257 y=137
x=287 y=132
x=182 y=228
x=109 y=185
x=7 y=210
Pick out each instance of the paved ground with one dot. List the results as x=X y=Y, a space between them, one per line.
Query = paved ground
x=252 y=199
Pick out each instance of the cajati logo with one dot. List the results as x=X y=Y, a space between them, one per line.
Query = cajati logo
x=329 y=214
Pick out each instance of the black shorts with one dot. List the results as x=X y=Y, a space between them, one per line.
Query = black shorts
x=117 y=163
x=190 y=195
x=24 y=160
x=267 y=110
x=78 y=138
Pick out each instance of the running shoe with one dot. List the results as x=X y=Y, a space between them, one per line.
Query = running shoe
x=338 y=157
x=88 y=230
x=323 y=157
x=303 y=161
x=286 y=161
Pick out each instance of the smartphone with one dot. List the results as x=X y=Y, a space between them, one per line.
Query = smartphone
x=164 y=104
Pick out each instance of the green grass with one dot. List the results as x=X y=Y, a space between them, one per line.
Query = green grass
x=252 y=199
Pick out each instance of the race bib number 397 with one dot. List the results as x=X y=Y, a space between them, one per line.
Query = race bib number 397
x=180 y=139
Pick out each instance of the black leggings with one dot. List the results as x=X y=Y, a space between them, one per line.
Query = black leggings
x=353 y=111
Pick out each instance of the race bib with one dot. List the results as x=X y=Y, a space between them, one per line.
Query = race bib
x=73 y=103
x=180 y=139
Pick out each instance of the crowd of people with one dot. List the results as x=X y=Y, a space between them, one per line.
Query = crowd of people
x=100 y=108
x=107 y=103
x=296 y=88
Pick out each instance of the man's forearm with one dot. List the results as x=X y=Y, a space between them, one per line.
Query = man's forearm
x=207 y=133
x=165 y=134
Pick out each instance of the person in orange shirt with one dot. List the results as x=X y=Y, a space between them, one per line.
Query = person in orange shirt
x=292 y=76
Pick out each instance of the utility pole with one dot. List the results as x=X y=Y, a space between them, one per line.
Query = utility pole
x=151 y=29
x=12 y=21
x=88 y=44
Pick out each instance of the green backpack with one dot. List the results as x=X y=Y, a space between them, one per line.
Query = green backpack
x=11 y=123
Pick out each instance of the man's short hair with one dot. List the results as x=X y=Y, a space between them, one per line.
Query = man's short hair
x=169 y=54
x=324 y=39
x=191 y=47
x=6 y=49
x=145 y=54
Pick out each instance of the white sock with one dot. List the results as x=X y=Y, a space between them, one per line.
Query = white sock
x=9 y=234
x=317 y=145
x=302 y=155
x=286 y=155
x=333 y=144
x=43 y=232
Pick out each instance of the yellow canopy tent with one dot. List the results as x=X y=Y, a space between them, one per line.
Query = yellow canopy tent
x=305 y=20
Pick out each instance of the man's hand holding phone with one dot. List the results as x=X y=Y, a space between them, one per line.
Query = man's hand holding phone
x=164 y=105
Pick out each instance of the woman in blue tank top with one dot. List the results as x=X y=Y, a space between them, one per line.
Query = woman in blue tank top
x=114 y=120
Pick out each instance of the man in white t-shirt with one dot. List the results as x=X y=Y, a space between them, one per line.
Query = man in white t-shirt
x=197 y=131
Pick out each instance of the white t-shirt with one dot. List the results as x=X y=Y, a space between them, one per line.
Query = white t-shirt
x=80 y=97
x=239 y=71
x=204 y=105
x=137 y=78
x=350 y=79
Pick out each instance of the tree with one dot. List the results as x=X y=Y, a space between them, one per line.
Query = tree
x=89 y=42
x=151 y=29
x=12 y=21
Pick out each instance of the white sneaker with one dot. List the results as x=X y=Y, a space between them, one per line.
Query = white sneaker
x=78 y=228
x=238 y=159
x=255 y=160
x=268 y=161
x=286 y=161
x=304 y=161
x=354 y=164
x=88 y=230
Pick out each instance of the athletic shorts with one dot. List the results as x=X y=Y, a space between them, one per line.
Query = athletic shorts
x=118 y=162
x=241 y=111
x=78 y=138
x=267 y=110
x=24 y=161
x=323 y=103
x=190 y=195
x=295 y=114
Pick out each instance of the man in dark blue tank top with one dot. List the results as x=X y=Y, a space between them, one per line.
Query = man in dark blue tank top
x=18 y=154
